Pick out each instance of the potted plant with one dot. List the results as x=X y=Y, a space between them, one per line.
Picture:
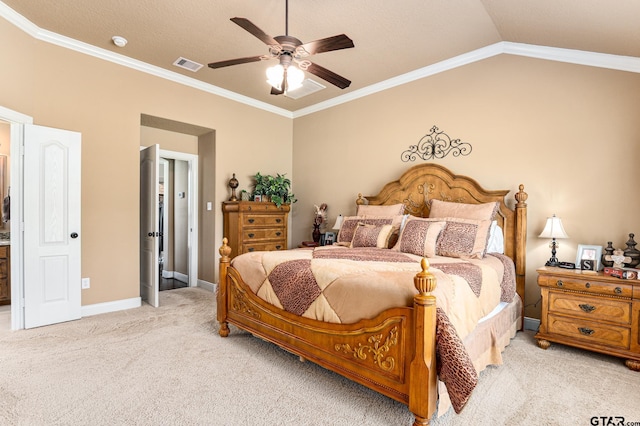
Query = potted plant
x=276 y=188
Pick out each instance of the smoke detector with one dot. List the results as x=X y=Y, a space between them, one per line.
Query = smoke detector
x=119 y=41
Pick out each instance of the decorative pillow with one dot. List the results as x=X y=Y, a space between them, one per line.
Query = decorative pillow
x=371 y=236
x=391 y=210
x=441 y=209
x=349 y=224
x=464 y=238
x=419 y=236
x=496 y=239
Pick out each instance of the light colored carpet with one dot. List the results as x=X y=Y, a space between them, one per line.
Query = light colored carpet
x=168 y=366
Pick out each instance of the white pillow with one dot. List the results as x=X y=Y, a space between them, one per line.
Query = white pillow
x=496 y=239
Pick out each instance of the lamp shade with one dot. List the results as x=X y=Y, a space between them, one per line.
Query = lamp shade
x=338 y=223
x=553 y=228
x=275 y=75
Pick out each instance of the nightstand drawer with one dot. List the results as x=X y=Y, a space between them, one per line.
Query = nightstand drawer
x=262 y=234
x=594 y=308
x=270 y=246
x=263 y=220
x=588 y=331
x=596 y=287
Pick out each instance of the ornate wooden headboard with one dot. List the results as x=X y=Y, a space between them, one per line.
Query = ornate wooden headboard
x=424 y=182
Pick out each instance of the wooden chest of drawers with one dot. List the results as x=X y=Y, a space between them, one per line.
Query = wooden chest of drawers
x=590 y=311
x=5 y=282
x=253 y=226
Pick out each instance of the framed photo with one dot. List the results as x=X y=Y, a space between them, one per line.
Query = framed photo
x=257 y=198
x=329 y=238
x=589 y=257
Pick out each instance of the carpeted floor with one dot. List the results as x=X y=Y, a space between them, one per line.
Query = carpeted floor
x=168 y=366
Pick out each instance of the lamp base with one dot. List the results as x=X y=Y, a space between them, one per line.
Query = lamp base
x=552 y=262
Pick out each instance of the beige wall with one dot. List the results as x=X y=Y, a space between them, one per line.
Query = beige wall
x=569 y=133
x=65 y=89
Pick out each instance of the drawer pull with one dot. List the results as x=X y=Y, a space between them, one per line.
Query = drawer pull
x=588 y=285
x=559 y=283
x=251 y=220
x=250 y=249
x=251 y=235
x=278 y=234
x=585 y=331
x=278 y=247
x=278 y=220
x=587 y=308
x=618 y=290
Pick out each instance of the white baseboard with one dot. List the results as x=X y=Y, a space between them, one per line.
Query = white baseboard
x=181 y=277
x=531 y=324
x=117 y=305
x=167 y=274
x=207 y=285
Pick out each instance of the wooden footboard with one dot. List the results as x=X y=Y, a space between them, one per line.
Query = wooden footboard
x=393 y=353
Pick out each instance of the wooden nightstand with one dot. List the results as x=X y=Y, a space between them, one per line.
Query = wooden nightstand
x=590 y=311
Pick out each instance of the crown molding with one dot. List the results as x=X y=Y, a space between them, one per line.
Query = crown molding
x=579 y=57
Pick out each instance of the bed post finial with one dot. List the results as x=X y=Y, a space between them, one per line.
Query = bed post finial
x=360 y=200
x=424 y=281
x=225 y=250
x=521 y=196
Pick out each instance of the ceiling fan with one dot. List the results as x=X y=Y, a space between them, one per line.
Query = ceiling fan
x=291 y=52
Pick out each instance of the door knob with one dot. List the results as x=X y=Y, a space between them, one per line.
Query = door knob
x=150 y=234
x=74 y=235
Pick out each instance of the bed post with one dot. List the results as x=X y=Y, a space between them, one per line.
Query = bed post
x=225 y=251
x=422 y=373
x=521 y=243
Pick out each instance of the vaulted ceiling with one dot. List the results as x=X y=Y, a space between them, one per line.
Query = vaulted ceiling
x=391 y=37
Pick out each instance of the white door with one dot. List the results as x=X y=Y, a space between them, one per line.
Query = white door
x=52 y=266
x=149 y=232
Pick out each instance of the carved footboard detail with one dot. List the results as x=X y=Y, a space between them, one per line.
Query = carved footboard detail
x=377 y=350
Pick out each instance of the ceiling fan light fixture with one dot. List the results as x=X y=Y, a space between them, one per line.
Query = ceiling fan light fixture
x=275 y=74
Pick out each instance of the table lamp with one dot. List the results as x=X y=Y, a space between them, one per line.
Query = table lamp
x=338 y=223
x=553 y=229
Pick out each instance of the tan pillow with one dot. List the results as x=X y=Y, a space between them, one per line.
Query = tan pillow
x=349 y=223
x=464 y=238
x=442 y=209
x=419 y=236
x=371 y=236
x=391 y=210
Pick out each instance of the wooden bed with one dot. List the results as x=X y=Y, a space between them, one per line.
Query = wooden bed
x=396 y=349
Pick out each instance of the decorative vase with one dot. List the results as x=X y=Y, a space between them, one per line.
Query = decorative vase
x=316 y=233
x=632 y=252
x=608 y=252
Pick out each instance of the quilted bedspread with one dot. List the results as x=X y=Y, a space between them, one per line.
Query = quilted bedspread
x=345 y=285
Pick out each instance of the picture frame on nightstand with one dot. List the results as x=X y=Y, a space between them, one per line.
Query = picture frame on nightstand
x=329 y=238
x=589 y=257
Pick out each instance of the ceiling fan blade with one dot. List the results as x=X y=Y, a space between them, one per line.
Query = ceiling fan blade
x=329 y=76
x=250 y=27
x=237 y=61
x=328 y=44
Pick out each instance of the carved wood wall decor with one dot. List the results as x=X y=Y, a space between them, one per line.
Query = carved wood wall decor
x=436 y=145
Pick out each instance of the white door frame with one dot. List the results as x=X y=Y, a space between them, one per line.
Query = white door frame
x=192 y=240
x=17 y=122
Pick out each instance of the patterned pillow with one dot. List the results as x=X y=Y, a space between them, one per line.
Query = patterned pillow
x=441 y=209
x=349 y=224
x=392 y=210
x=464 y=238
x=371 y=236
x=419 y=236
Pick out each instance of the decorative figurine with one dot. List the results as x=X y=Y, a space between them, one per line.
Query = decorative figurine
x=233 y=184
x=632 y=252
x=606 y=256
x=618 y=258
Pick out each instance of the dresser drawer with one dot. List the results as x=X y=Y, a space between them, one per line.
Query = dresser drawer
x=262 y=220
x=252 y=234
x=589 y=331
x=594 y=308
x=4 y=289
x=3 y=252
x=620 y=289
x=267 y=246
